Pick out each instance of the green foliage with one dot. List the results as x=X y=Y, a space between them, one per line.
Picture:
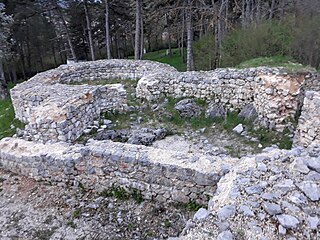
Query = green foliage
x=192 y=206
x=204 y=52
x=276 y=61
x=121 y=194
x=8 y=123
x=306 y=44
x=266 y=39
x=232 y=120
x=137 y=196
x=174 y=60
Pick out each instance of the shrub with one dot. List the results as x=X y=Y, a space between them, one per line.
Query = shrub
x=266 y=39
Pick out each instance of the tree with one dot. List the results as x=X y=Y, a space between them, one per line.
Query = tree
x=91 y=44
x=108 y=40
x=190 y=64
x=138 y=32
x=5 y=47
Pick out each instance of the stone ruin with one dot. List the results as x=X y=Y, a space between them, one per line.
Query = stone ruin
x=56 y=112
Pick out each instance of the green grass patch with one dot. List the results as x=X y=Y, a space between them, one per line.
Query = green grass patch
x=174 y=60
x=121 y=194
x=192 y=206
x=276 y=61
x=8 y=123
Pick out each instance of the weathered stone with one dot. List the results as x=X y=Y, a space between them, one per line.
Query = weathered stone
x=201 y=214
x=249 y=112
x=215 y=111
x=288 y=221
x=187 y=108
x=246 y=211
x=272 y=208
x=311 y=189
x=238 y=129
x=313 y=222
x=226 y=212
x=225 y=235
x=314 y=164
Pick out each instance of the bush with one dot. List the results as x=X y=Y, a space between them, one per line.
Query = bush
x=203 y=50
x=306 y=44
x=263 y=40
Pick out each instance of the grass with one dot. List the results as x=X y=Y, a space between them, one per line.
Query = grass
x=276 y=61
x=174 y=60
x=121 y=194
x=8 y=123
x=192 y=206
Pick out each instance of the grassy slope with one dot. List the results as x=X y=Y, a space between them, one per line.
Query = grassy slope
x=174 y=60
x=276 y=61
x=8 y=123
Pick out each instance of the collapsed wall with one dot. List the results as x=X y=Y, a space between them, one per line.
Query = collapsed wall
x=159 y=174
x=54 y=110
x=273 y=92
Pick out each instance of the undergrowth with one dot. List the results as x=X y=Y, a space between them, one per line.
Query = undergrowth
x=8 y=122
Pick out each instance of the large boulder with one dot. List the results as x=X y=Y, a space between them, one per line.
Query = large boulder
x=249 y=112
x=188 y=108
x=215 y=111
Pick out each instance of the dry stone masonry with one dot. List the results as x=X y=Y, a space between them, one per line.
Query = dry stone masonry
x=308 y=130
x=273 y=92
x=159 y=174
x=56 y=111
x=272 y=195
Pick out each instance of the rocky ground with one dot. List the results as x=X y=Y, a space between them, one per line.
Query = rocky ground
x=274 y=195
x=36 y=210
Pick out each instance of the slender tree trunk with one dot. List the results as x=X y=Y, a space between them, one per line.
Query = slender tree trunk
x=91 y=44
x=137 y=44
x=65 y=26
x=3 y=91
x=182 y=35
x=54 y=54
x=2 y=76
x=272 y=9
x=108 y=42
x=169 y=43
x=190 y=64
x=141 y=38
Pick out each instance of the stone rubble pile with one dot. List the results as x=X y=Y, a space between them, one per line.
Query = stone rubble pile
x=273 y=195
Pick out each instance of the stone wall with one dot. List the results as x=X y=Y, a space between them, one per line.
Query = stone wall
x=159 y=174
x=274 y=93
x=56 y=111
x=308 y=129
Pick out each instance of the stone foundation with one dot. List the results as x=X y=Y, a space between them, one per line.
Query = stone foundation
x=274 y=93
x=159 y=174
x=55 y=111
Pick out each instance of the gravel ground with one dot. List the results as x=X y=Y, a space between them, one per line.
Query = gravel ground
x=36 y=210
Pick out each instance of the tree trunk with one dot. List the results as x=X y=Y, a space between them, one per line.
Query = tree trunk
x=169 y=43
x=141 y=38
x=91 y=44
x=60 y=14
x=108 y=41
x=3 y=91
x=190 y=64
x=182 y=35
x=272 y=9
x=137 y=44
